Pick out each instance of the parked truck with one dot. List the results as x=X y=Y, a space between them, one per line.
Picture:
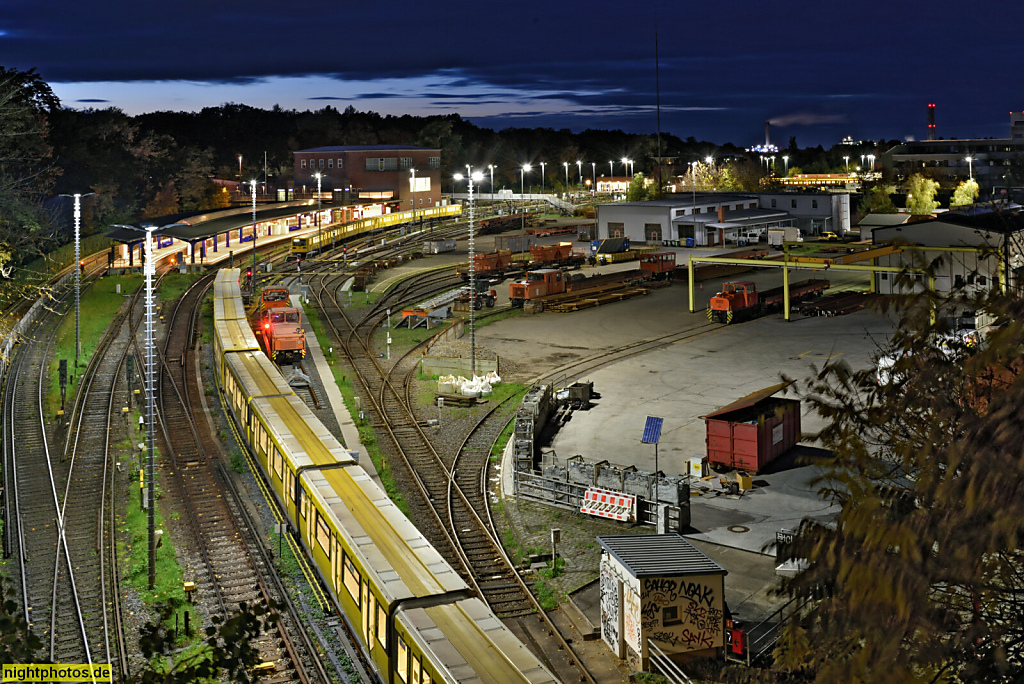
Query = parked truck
x=740 y=300
x=777 y=236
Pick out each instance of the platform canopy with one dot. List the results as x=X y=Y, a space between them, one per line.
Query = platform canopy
x=190 y=227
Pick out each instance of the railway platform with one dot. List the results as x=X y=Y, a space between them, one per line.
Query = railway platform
x=349 y=431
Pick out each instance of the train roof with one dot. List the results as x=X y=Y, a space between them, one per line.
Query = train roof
x=390 y=546
x=238 y=333
x=228 y=308
x=258 y=374
x=307 y=439
x=472 y=645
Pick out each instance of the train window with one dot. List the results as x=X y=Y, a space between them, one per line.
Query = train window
x=323 y=534
x=350 y=578
x=300 y=501
x=415 y=669
x=382 y=626
x=277 y=461
x=261 y=437
x=402 y=667
x=291 y=317
x=426 y=677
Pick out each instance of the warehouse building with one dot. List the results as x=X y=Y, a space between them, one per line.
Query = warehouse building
x=716 y=218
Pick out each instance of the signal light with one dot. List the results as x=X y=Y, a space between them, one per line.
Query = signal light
x=266 y=326
x=248 y=273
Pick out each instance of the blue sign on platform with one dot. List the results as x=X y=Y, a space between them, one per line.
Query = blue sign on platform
x=652 y=430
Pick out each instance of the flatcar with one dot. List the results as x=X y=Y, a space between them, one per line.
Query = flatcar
x=417 y=619
x=317 y=241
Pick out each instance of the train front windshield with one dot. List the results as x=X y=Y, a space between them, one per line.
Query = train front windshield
x=298 y=242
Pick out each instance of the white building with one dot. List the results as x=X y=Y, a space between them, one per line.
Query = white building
x=975 y=250
x=716 y=218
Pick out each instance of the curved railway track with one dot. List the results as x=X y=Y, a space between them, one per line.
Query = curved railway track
x=459 y=532
x=236 y=567
x=64 y=505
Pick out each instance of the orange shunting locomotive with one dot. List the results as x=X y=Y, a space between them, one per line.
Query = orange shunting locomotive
x=280 y=327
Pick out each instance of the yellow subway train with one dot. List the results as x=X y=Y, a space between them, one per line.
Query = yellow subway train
x=315 y=242
x=417 y=619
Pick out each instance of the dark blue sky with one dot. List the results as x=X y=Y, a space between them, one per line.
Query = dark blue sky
x=820 y=70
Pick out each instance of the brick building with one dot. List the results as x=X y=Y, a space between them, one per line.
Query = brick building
x=373 y=173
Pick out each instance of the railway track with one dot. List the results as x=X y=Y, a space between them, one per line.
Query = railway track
x=64 y=505
x=237 y=569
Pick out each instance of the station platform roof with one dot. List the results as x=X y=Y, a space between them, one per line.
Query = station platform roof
x=199 y=226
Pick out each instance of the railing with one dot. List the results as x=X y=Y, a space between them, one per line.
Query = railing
x=663 y=665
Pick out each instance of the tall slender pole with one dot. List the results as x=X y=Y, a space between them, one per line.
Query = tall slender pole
x=413 y=173
x=78 y=279
x=542 y=177
x=472 y=284
x=657 y=99
x=253 y=284
x=566 y=165
x=150 y=408
x=579 y=173
x=319 y=217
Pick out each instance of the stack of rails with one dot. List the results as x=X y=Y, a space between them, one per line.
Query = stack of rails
x=839 y=304
x=416 y=618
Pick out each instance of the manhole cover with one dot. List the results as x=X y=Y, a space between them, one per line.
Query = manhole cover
x=739 y=529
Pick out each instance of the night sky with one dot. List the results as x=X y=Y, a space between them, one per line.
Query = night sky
x=819 y=70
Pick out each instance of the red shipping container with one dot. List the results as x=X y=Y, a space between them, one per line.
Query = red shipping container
x=750 y=433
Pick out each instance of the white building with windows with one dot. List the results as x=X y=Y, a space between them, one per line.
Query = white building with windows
x=704 y=219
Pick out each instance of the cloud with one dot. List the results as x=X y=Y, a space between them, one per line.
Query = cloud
x=90 y=100
x=806 y=119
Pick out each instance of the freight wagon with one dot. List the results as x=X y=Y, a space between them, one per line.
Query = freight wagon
x=417 y=620
x=741 y=300
x=561 y=254
x=545 y=282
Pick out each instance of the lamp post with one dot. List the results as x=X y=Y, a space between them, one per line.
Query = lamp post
x=150 y=270
x=773 y=164
x=970 y=172
x=523 y=170
x=490 y=167
x=566 y=165
x=472 y=270
x=871 y=163
x=240 y=170
x=319 y=219
x=579 y=173
x=862 y=160
x=78 y=272
x=542 y=177
x=253 y=184
x=611 y=176
x=413 y=172
x=847 y=160
x=785 y=159
x=593 y=171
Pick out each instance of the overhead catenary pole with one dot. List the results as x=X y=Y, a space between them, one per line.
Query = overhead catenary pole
x=252 y=285
x=78 y=279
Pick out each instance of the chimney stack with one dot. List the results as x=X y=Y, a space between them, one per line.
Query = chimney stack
x=931 y=122
x=767 y=133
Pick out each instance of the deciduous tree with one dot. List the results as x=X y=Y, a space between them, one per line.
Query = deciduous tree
x=921 y=194
x=921 y=578
x=965 y=193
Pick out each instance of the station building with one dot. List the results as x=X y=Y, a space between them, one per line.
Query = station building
x=716 y=218
x=395 y=175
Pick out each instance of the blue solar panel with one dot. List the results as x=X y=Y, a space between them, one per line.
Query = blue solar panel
x=652 y=430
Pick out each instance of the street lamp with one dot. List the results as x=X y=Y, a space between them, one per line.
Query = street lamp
x=490 y=167
x=847 y=159
x=785 y=158
x=970 y=170
x=593 y=171
x=253 y=183
x=579 y=172
x=472 y=270
x=542 y=177
x=523 y=170
x=773 y=164
x=413 y=172
x=871 y=163
x=319 y=220
x=566 y=165
x=240 y=169
x=611 y=176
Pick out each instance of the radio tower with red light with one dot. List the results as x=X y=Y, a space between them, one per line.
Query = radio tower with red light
x=931 y=122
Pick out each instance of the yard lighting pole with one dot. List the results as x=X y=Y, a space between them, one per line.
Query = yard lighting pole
x=253 y=184
x=78 y=272
x=150 y=270
x=566 y=165
x=970 y=172
x=611 y=176
x=319 y=219
x=542 y=177
x=593 y=171
x=413 y=172
x=490 y=167
x=871 y=162
x=785 y=158
x=472 y=271
x=847 y=159
x=523 y=170
x=579 y=173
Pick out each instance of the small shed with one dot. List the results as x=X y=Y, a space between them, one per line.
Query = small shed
x=751 y=432
x=660 y=590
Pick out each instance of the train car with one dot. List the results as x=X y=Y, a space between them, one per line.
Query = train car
x=658 y=265
x=417 y=619
x=279 y=326
x=319 y=240
x=560 y=254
